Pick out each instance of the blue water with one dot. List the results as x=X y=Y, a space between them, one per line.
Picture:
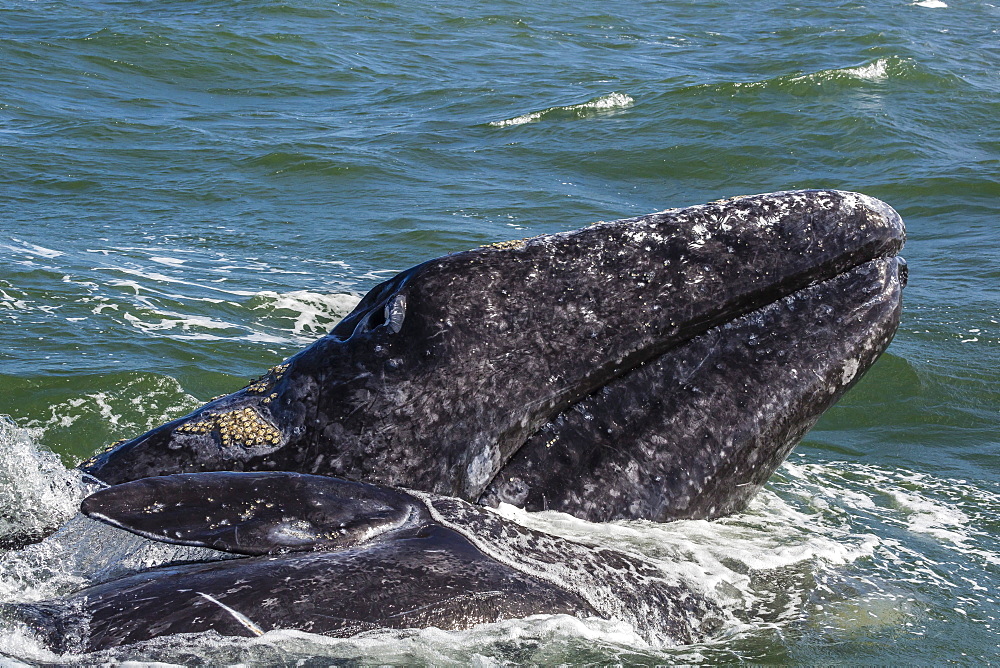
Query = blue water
x=192 y=191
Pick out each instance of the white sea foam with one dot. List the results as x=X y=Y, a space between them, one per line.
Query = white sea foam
x=32 y=249
x=931 y=4
x=717 y=557
x=12 y=302
x=173 y=320
x=313 y=313
x=38 y=495
x=301 y=315
x=133 y=405
x=931 y=517
x=36 y=491
x=820 y=517
x=18 y=641
x=172 y=261
x=604 y=103
x=156 y=277
x=535 y=640
x=875 y=71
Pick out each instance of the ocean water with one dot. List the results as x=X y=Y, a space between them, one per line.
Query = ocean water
x=193 y=190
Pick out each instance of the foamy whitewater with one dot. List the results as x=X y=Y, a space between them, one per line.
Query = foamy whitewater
x=603 y=104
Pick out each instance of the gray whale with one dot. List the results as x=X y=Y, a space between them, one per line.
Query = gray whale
x=339 y=558
x=658 y=367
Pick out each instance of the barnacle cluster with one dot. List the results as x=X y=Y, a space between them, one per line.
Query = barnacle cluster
x=111 y=446
x=263 y=384
x=106 y=449
x=513 y=243
x=243 y=426
x=503 y=245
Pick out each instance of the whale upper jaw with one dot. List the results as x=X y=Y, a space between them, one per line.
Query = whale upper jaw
x=443 y=374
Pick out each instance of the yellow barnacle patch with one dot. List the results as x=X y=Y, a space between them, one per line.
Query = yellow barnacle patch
x=107 y=448
x=509 y=245
x=111 y=446
x=504 y=245
x=264 y=384
x=243 y=426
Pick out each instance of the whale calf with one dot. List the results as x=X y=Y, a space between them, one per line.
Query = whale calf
x=339 y=558
x=658 y=367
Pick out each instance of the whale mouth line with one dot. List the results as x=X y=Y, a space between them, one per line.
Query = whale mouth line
x=625 y=366
x=779 y=295
x=773 y=369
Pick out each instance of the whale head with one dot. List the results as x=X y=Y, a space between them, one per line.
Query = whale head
x=459 y=376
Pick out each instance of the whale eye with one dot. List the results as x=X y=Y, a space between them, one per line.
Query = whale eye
x=391 y=314
x=395 y=311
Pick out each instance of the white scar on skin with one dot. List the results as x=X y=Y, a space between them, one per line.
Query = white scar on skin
x=238 y=616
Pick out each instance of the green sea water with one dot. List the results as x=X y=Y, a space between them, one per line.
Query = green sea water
x=193 y=190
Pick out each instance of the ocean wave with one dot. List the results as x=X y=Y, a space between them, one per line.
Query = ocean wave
x=299 y=163
x=535 y=640
x=878 y=71
x=874 y=71
x=605 y=103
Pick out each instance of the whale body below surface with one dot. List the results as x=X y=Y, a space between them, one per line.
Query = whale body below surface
x=339 y=558
x=658 y=367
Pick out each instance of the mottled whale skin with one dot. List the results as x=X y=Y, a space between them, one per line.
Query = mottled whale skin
x=338 y=558
x=659 y=367
x=697 y=432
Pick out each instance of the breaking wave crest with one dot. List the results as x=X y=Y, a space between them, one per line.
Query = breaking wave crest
x=881 y=71
x=603 y=104
x=37 y=493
